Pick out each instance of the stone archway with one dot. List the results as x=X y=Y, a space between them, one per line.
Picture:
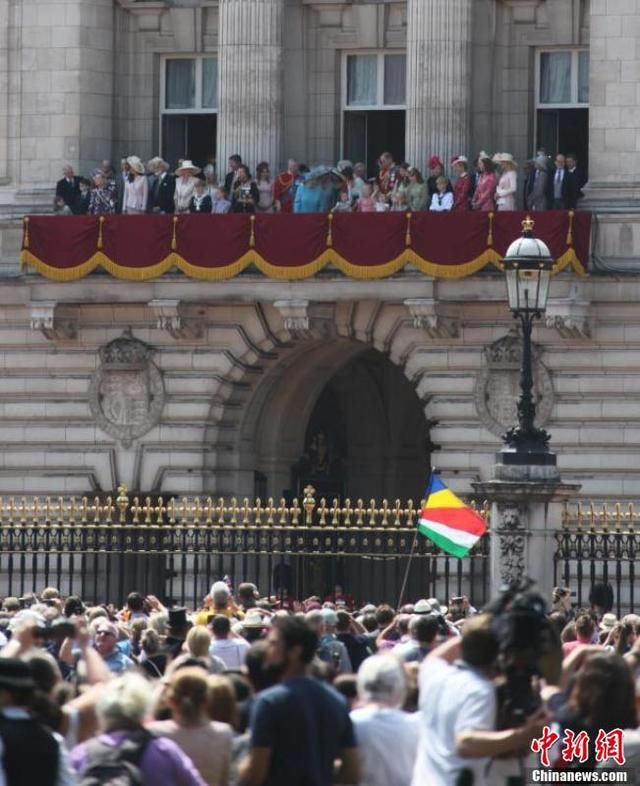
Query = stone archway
x=384 y=448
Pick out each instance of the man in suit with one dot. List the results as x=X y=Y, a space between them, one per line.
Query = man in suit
x=121 y=178
x=559 y=181
x=164 y=188
x=575 y=180
x=235 y=162
x=69 y=188
x=84 y=198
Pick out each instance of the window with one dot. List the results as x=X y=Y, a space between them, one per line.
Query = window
x=375 y=80
x=188 y=108
x=190 y=85
x=563 y=78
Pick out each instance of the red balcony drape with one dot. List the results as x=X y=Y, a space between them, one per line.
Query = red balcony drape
x=364 y=246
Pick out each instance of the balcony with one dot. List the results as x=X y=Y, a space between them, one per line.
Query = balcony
x=292 y=247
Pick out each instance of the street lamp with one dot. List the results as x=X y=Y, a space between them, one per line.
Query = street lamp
x=527 y=265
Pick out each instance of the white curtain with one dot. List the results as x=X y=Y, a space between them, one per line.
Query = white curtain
x=210 y=83
x=180 y=84
x=362 y=79
x=395 y=80
x=555 y=78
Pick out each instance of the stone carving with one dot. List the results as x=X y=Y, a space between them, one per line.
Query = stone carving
x=295 y=317
x=512 y=540
x=171 y=317
x=127 y=392
x=45 y=316
x=431 y=316
x=498 y=386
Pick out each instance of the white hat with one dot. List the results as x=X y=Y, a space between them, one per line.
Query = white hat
x=219 y=586
x=188 y=165
x=608 y=621
x=422 y=607
x=136 y=164
x=255 y=620
x=503 y=158
x=483 y=154
x=459 y=160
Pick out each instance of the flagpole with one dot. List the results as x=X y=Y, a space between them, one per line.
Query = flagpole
x=412 y=552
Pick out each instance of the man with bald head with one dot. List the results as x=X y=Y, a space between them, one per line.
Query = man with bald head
x=68 y=187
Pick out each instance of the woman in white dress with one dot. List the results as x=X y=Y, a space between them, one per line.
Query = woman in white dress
x=136 y=188
x=185 y=181
x=265 y=188
x=508 y=183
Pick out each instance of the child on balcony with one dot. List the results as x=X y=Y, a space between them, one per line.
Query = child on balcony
x=366 y=203
x=442 y=200
x=220 y=202
x=200 y=201
x=343 y=205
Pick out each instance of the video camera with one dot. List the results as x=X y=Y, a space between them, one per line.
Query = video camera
x=528 y=648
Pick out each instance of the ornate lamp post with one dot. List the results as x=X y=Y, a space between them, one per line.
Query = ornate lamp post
x=527 y=265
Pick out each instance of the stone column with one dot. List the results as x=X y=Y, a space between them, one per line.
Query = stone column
x=250 y=82
x=438 y=79
x=614 y=117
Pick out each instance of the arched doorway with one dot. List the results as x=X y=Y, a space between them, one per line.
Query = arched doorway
x=367 y=435
x=338 y=415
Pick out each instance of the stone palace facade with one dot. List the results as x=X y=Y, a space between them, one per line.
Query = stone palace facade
x=254 y=386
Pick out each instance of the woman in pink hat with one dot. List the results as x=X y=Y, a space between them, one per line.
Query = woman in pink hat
x=484 y=198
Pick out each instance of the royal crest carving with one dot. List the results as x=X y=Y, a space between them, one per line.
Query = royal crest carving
x=512 y=538
x=498 y=386
x=127 y=391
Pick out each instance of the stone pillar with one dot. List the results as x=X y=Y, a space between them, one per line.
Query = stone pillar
x=60 y=63
x=250 y=82
x=614 y=118
x=438 y=79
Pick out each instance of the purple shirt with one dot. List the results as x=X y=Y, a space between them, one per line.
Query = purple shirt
x=163 y=762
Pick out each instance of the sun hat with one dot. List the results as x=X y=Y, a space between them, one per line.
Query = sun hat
x=609 y=621
x=187 y=166
x=435 y=606
x=136 y=164
x=504 y=158
x=255 y=620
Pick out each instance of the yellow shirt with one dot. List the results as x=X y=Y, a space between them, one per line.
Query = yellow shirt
x=202 y=617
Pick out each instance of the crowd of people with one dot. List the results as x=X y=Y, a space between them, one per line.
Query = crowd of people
x=277 y=692
x=490 y=183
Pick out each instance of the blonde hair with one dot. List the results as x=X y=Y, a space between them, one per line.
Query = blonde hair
x=199 y=641
x=221 y=700
x=124 y=702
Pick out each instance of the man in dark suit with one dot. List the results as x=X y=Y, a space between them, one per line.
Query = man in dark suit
x=164 y=188
x=559 y=183
x=69 y=188
x=575 y=180
x=235 y=162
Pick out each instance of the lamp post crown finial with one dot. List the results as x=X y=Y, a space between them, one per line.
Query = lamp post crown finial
x=528 y=225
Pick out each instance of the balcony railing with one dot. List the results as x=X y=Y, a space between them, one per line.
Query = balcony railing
x=361 y=246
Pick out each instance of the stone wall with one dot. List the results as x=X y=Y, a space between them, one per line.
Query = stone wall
x=239 y=385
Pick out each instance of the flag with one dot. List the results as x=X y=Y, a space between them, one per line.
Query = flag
x=448 y=522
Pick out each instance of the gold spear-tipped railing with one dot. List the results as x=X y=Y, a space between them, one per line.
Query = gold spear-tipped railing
x=146 y=512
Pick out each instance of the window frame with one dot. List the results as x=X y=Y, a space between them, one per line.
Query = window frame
x=198 y=109
x=379 y=105
x=575 y=77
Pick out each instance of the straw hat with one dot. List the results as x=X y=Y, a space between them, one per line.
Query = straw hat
x=136 y=164
x=187 y=166
x=608 y=621
x=504 y=158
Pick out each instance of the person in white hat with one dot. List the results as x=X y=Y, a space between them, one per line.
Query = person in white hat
x=463 y=186
x=185 y=182
x=136 y=188
x=508 y=182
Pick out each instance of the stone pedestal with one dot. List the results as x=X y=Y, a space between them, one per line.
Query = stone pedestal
x=438 y=113
x=525 y=516
x=250 y=86
x=614 y=130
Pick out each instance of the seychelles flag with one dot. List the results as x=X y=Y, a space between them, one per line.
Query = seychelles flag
x=448 y=522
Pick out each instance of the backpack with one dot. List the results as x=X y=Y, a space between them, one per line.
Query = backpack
x=118 y=765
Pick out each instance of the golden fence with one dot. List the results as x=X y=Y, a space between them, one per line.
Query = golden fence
x=126 y=511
